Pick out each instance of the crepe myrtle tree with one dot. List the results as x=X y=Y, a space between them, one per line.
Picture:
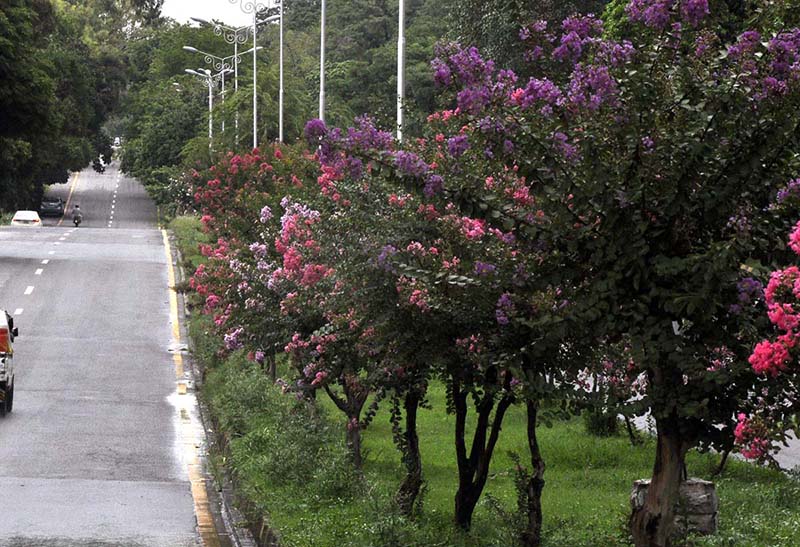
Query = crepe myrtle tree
x=474 y=281
x=650 y=158
x=670 y=143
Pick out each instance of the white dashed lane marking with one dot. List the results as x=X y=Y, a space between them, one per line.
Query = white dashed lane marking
x=51 y=252
x=29 y=290
x=46 y=261
x=18 y=311
x=39 y=271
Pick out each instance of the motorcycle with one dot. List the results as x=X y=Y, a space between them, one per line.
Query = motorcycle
x=76 y=221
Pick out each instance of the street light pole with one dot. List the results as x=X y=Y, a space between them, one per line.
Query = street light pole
x=280 y=77
x=401 y=70
x=235 y=36
x=254 y=7
x=208 y=77
x=322 y=63
x=255 y=84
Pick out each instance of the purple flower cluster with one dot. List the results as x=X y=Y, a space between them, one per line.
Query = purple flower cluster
x=579 y=31
x=503 y=308
x=746 y=43
x=232 y=341
x=470 y=68
x=410 y=164
x=653 y=13
x=456 y=146
x=315 y=129
x=792 y=189
x=473 y=99
x=383 y=258
x=592 y=86
x=615 y=53
x=785 y=52
x=265 y=215
x=433 y=184
x=694 y=11
x=564 y=147
x=484 y=268
x=259 y=250
x=538 y=91
x=366 y=136
x=750 y=290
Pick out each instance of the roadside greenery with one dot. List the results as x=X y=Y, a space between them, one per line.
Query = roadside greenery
x=592 y=229
x=759 y=506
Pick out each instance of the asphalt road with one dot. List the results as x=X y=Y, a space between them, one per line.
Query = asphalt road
x=100 y=446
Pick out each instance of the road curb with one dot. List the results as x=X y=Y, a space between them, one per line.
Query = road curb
x=221 y=490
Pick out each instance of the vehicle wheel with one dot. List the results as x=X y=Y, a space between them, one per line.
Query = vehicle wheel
x=10 y=400
x=3 y=407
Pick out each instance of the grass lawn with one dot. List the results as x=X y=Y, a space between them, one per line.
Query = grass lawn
x=291 y=462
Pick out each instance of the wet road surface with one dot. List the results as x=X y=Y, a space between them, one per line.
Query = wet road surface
x=95 y=450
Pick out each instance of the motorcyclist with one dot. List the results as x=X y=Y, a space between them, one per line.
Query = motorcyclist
x=77 y=216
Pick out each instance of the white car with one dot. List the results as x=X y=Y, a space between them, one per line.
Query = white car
x=26 y=218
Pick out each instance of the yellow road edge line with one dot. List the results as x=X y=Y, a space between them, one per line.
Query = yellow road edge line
x=69 y=197
x=205 y=521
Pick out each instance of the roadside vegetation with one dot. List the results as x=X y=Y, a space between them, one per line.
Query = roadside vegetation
x=292 y=463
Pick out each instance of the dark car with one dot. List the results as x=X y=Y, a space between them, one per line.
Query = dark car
x=52 y=207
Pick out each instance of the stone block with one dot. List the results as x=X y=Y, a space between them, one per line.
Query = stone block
x=697 y=510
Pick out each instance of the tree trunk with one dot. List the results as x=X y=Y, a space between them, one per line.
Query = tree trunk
x=412 y=482
x=353 y=439
x=631 y=432
x=473 y=470
x=651 y=524
x=721 y=467
x=272 y=368
x=532 y=534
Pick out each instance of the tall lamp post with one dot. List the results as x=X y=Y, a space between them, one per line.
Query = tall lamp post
x=223 y=64
x=255 y=7
x=235 y=36
x=209 y=78
x=401 y=69
x=322 y=62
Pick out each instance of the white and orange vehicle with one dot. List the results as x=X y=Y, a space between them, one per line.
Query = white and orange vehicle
x=7 y=334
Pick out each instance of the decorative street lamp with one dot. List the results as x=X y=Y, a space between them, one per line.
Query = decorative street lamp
x=401 y=69
x=322 y=62
x=235 y=36
x=255 y=7
x=223 y=64
x=209 y=78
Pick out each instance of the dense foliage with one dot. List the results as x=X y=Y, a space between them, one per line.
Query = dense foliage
x=599 y=211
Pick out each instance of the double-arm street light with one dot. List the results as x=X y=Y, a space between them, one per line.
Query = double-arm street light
x=235 y=36
x=209 y=78
x=224 y=64
x=256 y=8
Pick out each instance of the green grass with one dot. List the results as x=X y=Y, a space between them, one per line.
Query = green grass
x=585 y=499
x=189 y=235
x=291 y=462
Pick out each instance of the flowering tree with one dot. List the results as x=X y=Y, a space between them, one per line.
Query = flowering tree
x=640 y=153
x=772 y=415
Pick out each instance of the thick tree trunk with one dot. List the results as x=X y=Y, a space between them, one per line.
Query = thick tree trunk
x=412 y=483
x=473 y=470
x=353 y=439
x=651 y=525
x=532 y=534
x=351 y=405
x=272 y=367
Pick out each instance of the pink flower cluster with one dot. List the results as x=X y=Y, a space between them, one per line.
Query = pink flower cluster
x=751 y=437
